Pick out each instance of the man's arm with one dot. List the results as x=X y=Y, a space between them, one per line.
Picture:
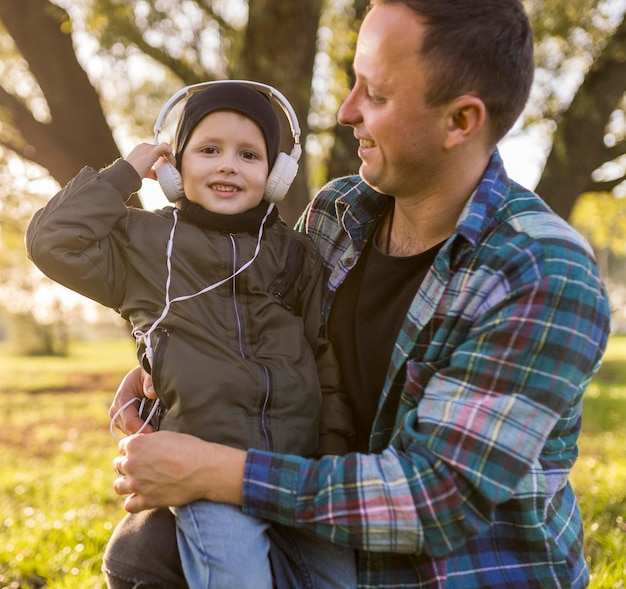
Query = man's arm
x=492 y=425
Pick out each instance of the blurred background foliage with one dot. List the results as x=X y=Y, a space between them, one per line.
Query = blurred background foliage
x=82 y=81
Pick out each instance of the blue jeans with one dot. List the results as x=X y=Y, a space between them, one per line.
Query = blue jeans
x=301 y=560
x=221 y=547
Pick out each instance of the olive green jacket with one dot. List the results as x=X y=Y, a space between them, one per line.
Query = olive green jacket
x=244 y=364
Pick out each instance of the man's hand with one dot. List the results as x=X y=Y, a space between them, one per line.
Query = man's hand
x=169 y=468
x=137 y=384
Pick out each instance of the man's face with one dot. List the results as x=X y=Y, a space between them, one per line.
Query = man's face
x=224 y=165
x=400 y=138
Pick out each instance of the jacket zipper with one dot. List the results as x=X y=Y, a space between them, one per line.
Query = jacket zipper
x=162 y=337
x=265 y=405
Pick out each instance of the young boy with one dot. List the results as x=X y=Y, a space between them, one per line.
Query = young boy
x=225 y=302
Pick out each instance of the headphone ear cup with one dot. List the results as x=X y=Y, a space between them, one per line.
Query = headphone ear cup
x=280 y=178
x=170 y=180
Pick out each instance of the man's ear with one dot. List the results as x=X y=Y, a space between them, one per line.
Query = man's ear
x=467 y=116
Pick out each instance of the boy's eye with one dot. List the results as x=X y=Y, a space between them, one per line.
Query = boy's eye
x=209 y=149
x=249 y=155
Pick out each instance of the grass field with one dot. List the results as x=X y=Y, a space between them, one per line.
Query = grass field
x=56 y=495
x=599 y=476
x=59 y=509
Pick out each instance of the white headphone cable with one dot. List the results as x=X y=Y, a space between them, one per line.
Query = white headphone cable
x=142 y=403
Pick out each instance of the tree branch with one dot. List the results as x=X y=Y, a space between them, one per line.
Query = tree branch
x=604 y=186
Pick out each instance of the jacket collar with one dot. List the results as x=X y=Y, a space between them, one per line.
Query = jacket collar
x=246 y=222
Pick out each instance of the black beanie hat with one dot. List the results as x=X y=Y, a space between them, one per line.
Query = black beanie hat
x=229 y=96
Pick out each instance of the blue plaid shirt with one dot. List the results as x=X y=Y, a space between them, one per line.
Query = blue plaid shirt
x=466 y=483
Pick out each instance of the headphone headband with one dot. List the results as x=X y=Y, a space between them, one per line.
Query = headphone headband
x=265 y=88
x=286 y=166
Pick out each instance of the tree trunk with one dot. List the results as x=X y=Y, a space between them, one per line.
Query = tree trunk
x=76 y=133
x=279 y=50
x=344 y=158
x=578 y=147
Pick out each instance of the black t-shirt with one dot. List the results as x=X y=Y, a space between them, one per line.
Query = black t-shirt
x=367 y=314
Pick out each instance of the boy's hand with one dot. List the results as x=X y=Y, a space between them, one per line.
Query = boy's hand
x=145 y=155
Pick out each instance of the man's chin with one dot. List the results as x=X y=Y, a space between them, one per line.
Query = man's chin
x=369 y=178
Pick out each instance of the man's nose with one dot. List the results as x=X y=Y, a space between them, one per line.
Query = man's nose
x=348 y=112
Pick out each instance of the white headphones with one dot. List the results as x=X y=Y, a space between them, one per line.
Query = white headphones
x=285 y=167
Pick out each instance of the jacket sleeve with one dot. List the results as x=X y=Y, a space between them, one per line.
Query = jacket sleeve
x=337 y=432
x=78 y=238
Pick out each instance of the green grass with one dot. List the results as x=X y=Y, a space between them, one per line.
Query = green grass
x=599 y=476
x=59 y=509
x=56 y=497
x=89 y=366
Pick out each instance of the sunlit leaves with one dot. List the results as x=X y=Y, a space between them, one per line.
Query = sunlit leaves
x=601 y=218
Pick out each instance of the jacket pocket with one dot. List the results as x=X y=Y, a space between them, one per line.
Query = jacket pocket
x=284 y=282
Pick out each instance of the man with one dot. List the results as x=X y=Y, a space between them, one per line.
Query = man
x=467 y=318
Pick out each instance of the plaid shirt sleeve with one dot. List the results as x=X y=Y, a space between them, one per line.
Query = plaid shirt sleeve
x=478 y=420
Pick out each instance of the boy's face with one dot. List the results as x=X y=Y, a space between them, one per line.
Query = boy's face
x=224 y=166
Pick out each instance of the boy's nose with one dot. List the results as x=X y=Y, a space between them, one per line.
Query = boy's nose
x=227 y=165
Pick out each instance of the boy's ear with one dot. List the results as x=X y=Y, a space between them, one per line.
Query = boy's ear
x=467 y=115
